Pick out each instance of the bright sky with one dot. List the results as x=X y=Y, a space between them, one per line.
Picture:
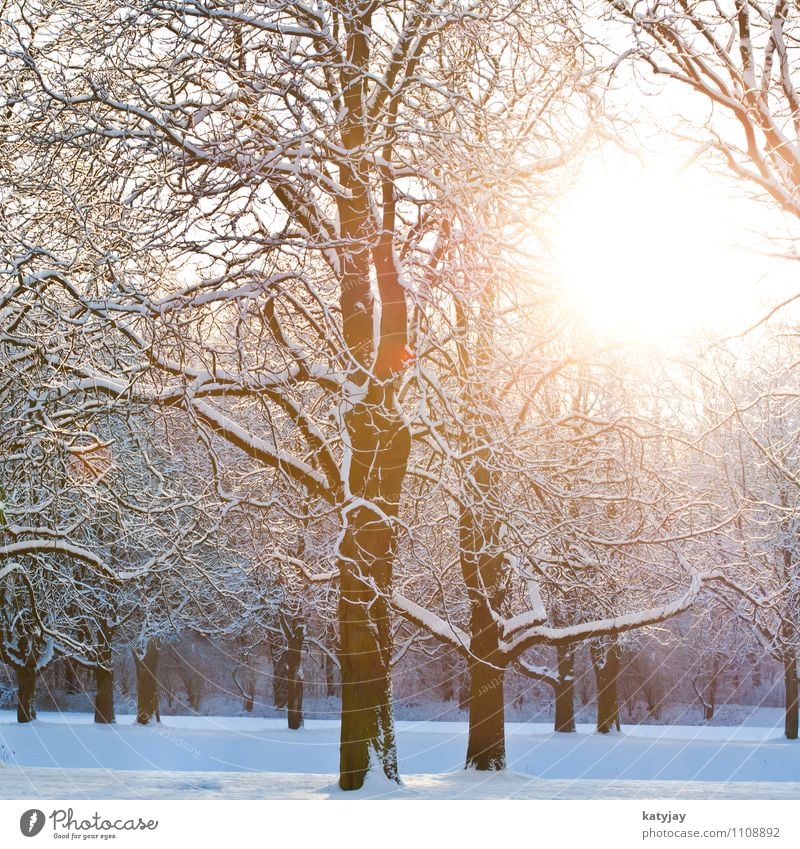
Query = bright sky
x=652 y=252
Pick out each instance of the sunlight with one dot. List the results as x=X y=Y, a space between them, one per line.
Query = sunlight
x=646 y=253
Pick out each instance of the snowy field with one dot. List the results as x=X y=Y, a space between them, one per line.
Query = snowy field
x=68 y=756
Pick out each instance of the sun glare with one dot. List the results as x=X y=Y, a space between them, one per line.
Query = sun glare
x=647 y=253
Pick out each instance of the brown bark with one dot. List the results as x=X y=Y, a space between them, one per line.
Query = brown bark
x=605 y=659
x=280 y=679
x=486 y=742
x=380 y=449
x=481 y=570
x=364 y=652
x=790 y=682
x=247 y=690
x=755 y=670
x=104 y=680
x=330 y=675
x=295 y=637
x=379 y=442
x=147 y=684
x=565 y=689
x=72 y=682
x=26 y=693
x=480 y=556
x=104 y=696
x=711 y=703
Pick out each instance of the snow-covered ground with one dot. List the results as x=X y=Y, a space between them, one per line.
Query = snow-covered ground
x=68 y=756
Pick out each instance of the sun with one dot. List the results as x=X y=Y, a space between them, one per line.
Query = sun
x=648 y=251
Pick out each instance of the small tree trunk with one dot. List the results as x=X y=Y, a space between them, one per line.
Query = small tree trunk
x=447 y=689
x=711 y=703
x=147 y=684
x=72 y=682
x=790 y=680
x=294 y=672
x=26 y=693
x=330 y=675
x=248 y=689
x=565 y=689
x=280 y=672
x=463 y=692
x=755 y=670
x=605 y=659
x=708 y=698
x=486 y=744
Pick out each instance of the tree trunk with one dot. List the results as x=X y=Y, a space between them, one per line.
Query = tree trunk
x=486 y=740
x=790 y=681
x=481 y=556
x=147 y=684
x=755 y=670
x=486 y=743
x=380 y=445
x=367 y=735
x=330 y=675
x=280 y=672
x=248 y=689
x=104 y=697
x=565 y=689
x=486 y=747
x=104 y=679
x=72 y=682
x=295 y=636
x=450 y=677
x=710 y=704
x=26 y=693
x=605 y=659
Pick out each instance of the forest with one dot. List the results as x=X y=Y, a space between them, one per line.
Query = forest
x=299 y=411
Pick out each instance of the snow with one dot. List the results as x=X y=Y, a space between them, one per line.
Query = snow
x=245 y=757
x=21 y=783
x=432 y=623
x=617 y=625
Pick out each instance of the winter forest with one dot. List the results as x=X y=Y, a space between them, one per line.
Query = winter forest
x=384 y=376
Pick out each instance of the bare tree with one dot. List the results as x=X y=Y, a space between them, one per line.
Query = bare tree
x=301 y=175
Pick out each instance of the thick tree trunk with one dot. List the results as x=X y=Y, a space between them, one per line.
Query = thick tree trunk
x=565 y=689
x=790 y=681
x=26 y=693
x=147 y=684
x=380 y=445
x=104 y=679
x=480 y=567
x=605 y=659
x=104 y=696
x=367 y=736
x=486 y=742
x=295 y=638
